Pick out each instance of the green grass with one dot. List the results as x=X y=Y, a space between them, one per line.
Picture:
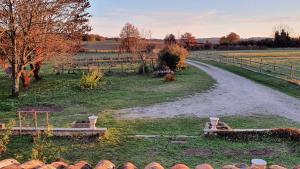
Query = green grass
x=216 y=151
x=135 y=90
x=118 y=92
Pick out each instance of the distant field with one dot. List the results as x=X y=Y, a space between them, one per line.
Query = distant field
x=284 y=57
x=110 y=45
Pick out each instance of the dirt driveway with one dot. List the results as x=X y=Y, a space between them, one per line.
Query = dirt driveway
x=233 y=95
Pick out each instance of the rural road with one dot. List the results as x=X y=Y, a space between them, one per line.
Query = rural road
x=233 y=95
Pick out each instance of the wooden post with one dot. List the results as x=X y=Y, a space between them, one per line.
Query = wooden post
x=241 y=63
x=35 y=120
x=250 y=62
x=260 y=64
x=47 y=120
x=20 y=122
x=292 y=72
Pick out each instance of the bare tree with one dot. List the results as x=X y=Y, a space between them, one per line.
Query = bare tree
x=30 y=28
x=144 y=49
x=129 y=37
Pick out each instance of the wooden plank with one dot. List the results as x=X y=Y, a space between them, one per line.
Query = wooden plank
x=61 y=132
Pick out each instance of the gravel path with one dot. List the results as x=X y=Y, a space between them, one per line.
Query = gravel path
x=233 y=95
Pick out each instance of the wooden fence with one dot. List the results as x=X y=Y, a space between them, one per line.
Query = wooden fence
x=122 y=64
x=290 y=73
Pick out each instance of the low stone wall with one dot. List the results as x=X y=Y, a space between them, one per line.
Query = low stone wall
x=61 y=132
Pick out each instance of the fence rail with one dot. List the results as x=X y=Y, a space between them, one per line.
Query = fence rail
x=290 y=73
x=123 y=64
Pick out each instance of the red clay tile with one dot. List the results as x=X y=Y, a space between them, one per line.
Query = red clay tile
x=204 y=166
x=154 y=165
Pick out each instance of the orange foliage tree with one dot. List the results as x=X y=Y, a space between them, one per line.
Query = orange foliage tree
x=188 y=40
x=30 y=30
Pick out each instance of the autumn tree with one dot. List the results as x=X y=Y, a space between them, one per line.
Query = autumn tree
x=188 y=40
x=129 y=38
x=170 y=40
x=144 y=49
x=29 y=27
x=230 y=39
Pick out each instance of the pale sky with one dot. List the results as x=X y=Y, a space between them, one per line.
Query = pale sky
x=203 y=18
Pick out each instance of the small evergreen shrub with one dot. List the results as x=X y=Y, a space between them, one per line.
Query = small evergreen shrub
x=90 y=80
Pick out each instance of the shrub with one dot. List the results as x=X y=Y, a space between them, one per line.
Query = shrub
x=170 y=77
x=43 y=147
x=141 y=71
x=174 y=57
x=6 y=106
x=5 y=136
x=91 y=80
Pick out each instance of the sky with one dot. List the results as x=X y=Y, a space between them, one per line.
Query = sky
x=202 y=18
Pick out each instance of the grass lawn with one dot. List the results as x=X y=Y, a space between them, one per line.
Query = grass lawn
x=217 y=151
x=135 y=90
x=118 y=92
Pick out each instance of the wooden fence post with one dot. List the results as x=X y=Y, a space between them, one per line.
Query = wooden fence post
x=292 y=72
x=241 y=63
x=260 y=66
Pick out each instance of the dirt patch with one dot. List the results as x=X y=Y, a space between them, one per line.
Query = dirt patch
x=262 y=153
x=253 y=153
x=198 y=152
x=47 y=108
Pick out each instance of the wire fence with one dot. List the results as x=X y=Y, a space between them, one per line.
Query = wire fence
x=290 y=73
x=123 y=64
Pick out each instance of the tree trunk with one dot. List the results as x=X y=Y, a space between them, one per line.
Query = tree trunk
x=36 y=70
x=15 y=81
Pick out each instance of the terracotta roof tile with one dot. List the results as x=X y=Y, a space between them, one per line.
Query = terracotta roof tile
x=8 y=162
x=229 y=167
x=276 y=167
x=204 y=166
x=33 y=164
x=80 y=165
x=180 y=166
x=154 y=165
x=60 y=165
x=47 y=166
x=297 y=167
x=13 y=166
x=128 y=166
x=105 y=164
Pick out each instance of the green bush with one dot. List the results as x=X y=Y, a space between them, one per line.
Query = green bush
x=5 y=136
x=90 y=80
x=6 y=107
x=44 y=148
x=174 y=57
x=147 y=69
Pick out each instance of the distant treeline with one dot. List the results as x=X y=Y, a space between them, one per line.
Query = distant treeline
x=282 y=39
x=232 y=41
x=93 y=38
